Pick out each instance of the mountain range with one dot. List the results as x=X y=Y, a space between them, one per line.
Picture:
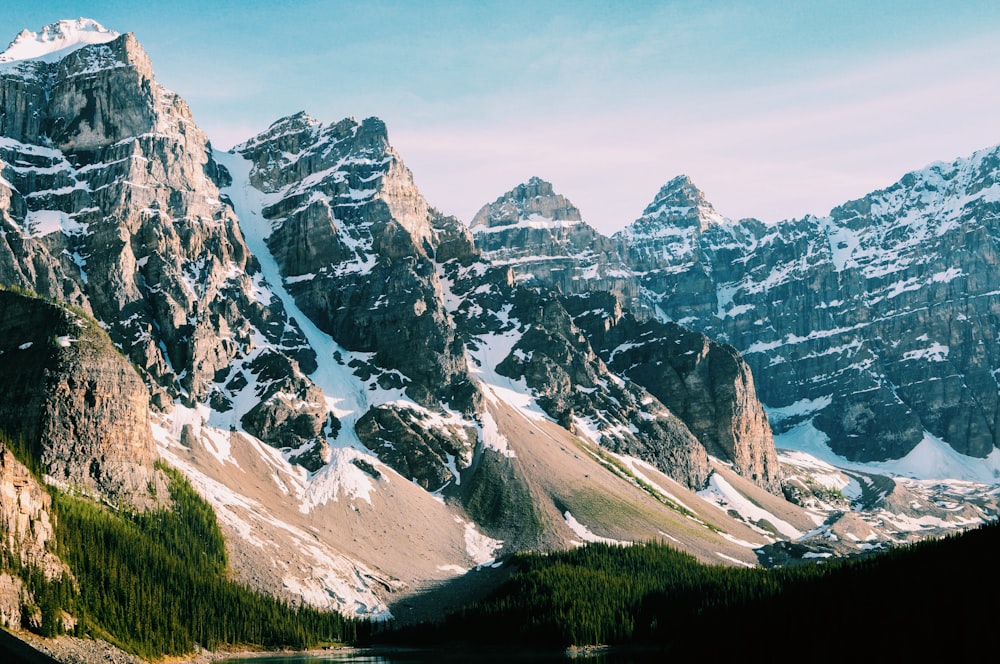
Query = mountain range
x=376 y=397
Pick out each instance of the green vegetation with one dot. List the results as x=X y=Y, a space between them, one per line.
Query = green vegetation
x=156 y=583
x=618 y=468
x=654 y=596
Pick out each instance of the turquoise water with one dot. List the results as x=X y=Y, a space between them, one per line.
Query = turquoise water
x=484 y=656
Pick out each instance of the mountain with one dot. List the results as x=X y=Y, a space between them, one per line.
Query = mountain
x=872 y=325
x=369 y=402
x=540 y=234
x=867 y=331
x=375 y=399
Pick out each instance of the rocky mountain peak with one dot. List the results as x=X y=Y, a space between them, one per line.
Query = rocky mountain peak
x=64 y=80
x=678 y=204
x=55 y=41
x=533 y=202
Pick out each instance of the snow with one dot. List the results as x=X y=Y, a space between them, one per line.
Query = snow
x=26 y=346
x=215 y=440
x=798 y=409
x=934 y=353
x=346 y=395
x=65 y=341
x=57 y=40
x=734 y=561
x=340 y=476
x=931 y=459
x=344 y=392
x=493 y=439
x=535 y=221
x=584 y=533
x=481 y=549
x=843 y=244
x=723 y=495
x=40 y=223
x=794 y=339
x=327 y=578
x=492 y=350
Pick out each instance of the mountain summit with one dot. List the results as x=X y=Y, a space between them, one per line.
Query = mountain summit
x=533 y=203
x=55 y=41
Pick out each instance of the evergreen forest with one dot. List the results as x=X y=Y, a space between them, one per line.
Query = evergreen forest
x=934 y=597
x=158 y=584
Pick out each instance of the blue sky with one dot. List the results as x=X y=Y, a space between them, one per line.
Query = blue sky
x=775 y=109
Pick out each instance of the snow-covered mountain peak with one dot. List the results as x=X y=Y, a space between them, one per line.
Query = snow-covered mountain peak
x=57 y=40
x=533 y=203
x=679 y=203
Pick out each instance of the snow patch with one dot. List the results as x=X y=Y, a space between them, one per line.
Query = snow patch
x=40 y=223
x=57 y=40
x=584 y=533
x=723 y=495
x=931 y=459
x=936 y=352
x=493 y=439
x=799 y=409
x=481 y=548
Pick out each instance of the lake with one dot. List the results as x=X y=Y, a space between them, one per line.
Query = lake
x=485 y=656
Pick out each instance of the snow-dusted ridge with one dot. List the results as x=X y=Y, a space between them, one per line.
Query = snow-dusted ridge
x=56 y=41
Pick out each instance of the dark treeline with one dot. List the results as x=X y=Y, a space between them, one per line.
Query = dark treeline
x=158 y=583
x=919 y=599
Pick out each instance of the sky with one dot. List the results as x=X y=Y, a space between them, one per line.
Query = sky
x=776 y=109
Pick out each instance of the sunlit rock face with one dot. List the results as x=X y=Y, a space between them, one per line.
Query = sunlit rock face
x=75 y=404
x=109 y=200
x=357 y=244
x=541 y=235
x=705 y=387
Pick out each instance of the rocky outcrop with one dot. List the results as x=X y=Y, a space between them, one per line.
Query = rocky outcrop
x=26 y=523
x=356 y=245
x=542 y=236
x=290 y=412
x=568 y=380
x=704 y=383
x=79 y=408
x=418 y=446
x=110 y=201
x=874 y=323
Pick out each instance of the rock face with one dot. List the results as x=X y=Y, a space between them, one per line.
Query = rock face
x=356 y=243
x=357 y=247
x=874 y=323
x=704 y=383
x=109 y=200
x=79 y=407
x=524 y=335
x=27 y=534
x=26 y=517
x=542 y=236
x=336 y=364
